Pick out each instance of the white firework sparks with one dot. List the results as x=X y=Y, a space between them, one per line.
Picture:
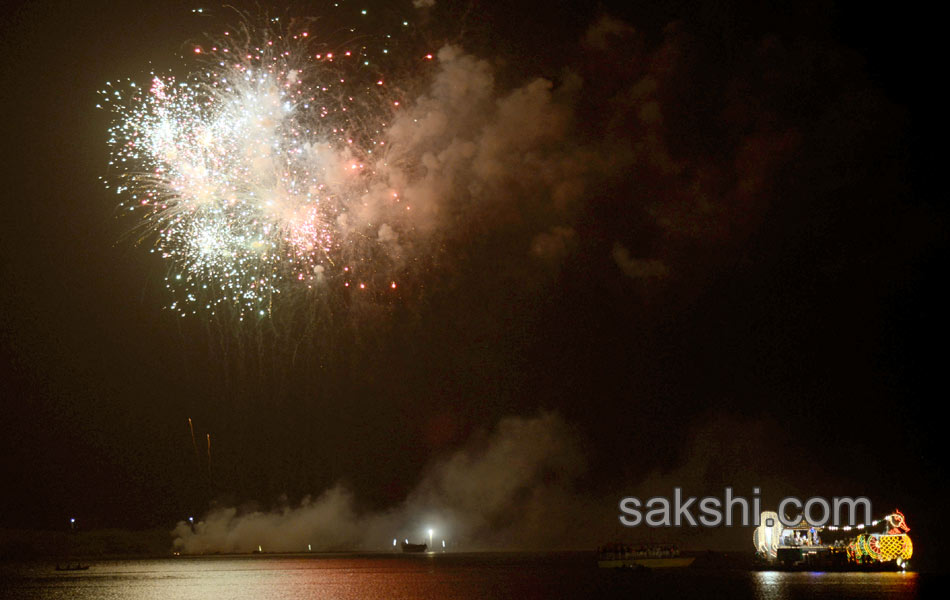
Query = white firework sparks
x=245 y=175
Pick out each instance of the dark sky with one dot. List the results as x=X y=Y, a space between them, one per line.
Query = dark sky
x=802 y=259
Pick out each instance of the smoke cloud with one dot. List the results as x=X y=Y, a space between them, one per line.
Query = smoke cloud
x=638 y=267
x=647 y=140
x=516 y=487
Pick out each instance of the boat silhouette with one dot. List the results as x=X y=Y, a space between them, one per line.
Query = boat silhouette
x=407 y=547
x=72 y=541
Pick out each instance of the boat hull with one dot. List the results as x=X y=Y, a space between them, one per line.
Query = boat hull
x=646 y=563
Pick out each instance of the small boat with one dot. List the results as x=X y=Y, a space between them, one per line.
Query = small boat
x=646 y=563
x=622 y=556
x=407 y=547
x=72 y=543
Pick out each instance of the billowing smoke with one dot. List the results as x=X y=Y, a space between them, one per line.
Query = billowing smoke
x=647 y=143
x=513 y=488
x=472 y=160
x=638 y=267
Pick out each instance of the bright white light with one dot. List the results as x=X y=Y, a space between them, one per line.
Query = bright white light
x=765 y=538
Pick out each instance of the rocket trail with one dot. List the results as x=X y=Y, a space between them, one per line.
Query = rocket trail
x=210 y=480
x=194 y=443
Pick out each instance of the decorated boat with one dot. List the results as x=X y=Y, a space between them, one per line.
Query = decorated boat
x=881 y=545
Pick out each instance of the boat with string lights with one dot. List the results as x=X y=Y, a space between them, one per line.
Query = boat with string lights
x=882 y=545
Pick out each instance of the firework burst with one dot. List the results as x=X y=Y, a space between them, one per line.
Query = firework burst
x=251 y=176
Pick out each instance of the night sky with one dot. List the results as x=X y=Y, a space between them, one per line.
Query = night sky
x=724 y=267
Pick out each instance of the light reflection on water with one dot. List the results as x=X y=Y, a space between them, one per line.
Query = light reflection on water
x=442 y=576
x=775 y=585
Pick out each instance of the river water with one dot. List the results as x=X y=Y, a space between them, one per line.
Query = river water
x=437 y=576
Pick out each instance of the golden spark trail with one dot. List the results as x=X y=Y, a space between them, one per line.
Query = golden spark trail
x=209 y=460
x=194 y=443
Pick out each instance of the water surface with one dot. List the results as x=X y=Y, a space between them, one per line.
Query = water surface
x=437 y=576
